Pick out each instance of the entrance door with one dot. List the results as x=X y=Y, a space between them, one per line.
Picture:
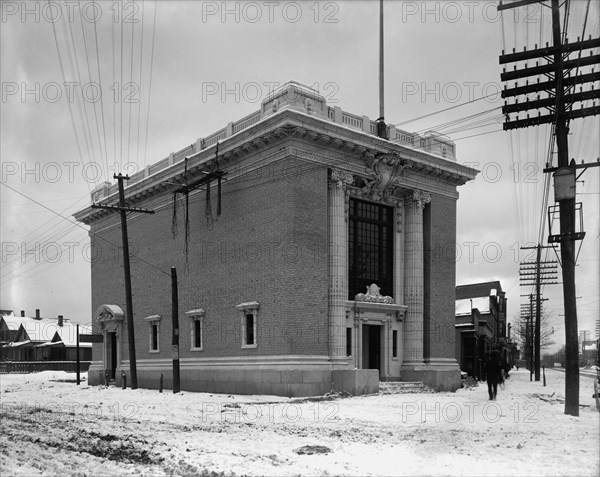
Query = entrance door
x=372 y=347
x=112 y=354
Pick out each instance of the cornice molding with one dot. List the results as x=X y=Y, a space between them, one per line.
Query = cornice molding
x=397 y=167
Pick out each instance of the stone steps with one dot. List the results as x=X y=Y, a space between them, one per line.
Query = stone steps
x=403 y=387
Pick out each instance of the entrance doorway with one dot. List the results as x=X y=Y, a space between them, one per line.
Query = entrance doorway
x=111 y=354
x=371 y=343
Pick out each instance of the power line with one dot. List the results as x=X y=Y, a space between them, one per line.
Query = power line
x=82 y=227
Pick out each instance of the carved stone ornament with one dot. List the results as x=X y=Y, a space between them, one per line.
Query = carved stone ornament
x=342 y=178
x=109 y=313
x=383 y=169
x=418 y=198
x=373 y=296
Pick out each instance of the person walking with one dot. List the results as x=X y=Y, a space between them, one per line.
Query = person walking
x=493 y=369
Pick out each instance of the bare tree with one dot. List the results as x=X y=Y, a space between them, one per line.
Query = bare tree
x=523 y=327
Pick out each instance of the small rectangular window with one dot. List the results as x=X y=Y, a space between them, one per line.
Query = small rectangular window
x=394 y=343
x=197 y=334
x=249 y=329
x=153 y=333
x=196 y=329
x=154 y=345
x=249 y=319
x=348 y=341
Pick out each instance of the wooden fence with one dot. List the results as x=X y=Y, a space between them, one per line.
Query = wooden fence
x=37 y=366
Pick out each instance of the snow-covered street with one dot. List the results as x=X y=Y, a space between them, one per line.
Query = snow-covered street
x=50 y=426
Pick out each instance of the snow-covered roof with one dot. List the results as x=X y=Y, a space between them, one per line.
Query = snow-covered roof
x=17 y=344
x=463 y=307
x=13 y=322
x=484 y=289
x=45 y=329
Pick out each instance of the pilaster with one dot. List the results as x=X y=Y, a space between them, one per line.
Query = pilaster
x=413 y=278
x=338 y=272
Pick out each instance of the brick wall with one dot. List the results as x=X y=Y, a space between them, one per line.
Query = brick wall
x=440 y=277
x=267 y=246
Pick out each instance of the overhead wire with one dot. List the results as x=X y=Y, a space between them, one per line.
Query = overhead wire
x=150 y=82
x=94 y=99
x=100 y=237
x=101 y=91
x=62 y=69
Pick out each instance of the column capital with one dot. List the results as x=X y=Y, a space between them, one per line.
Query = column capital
x=417 y=198
x=341 y=178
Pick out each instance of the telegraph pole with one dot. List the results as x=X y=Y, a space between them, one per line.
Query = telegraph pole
x=123 y=209
x=175 y=338
x=538 y=273
x=560 y=104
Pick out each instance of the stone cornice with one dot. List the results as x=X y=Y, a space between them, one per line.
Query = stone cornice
x=426 y=171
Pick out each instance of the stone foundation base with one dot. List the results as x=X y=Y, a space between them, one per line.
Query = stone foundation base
x=356 y=381
x=439 y=375
x=314 y=381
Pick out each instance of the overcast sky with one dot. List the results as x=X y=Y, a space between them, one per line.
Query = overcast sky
x=194 y=66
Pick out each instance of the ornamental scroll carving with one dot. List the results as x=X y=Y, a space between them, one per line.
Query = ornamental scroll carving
x=383 y=170
x=373 y=296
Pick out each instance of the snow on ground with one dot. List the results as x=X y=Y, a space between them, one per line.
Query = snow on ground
x=50 y=426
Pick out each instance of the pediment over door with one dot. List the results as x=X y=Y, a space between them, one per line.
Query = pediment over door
x=108 y=317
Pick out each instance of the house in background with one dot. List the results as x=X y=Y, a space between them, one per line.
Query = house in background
x=480 y=324
x=31 y=339
x=308 y=252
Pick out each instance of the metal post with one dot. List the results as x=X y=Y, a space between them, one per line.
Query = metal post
x=78 y=365
x=544 y=371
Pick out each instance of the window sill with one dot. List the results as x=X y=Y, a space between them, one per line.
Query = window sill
x=252 y=346
x=197 y=349
x=154 y=351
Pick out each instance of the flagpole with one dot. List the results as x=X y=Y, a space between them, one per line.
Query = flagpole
x=381 y=127
x=381 y=107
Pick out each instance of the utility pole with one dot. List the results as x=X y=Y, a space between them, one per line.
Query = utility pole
x=175 y=321
x=560 y=102
x=538 y=273
x=531 y=350
x=123 y=209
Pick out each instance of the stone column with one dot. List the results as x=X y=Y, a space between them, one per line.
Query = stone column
x=338 y=259
x=413 y=278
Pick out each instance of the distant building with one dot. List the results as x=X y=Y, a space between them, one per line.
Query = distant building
x=330 y=266
x=25 y=338
x=480 y=324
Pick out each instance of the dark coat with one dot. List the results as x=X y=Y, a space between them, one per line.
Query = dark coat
x=493 y=368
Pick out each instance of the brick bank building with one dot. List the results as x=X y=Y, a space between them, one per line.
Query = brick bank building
x=306 y=249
